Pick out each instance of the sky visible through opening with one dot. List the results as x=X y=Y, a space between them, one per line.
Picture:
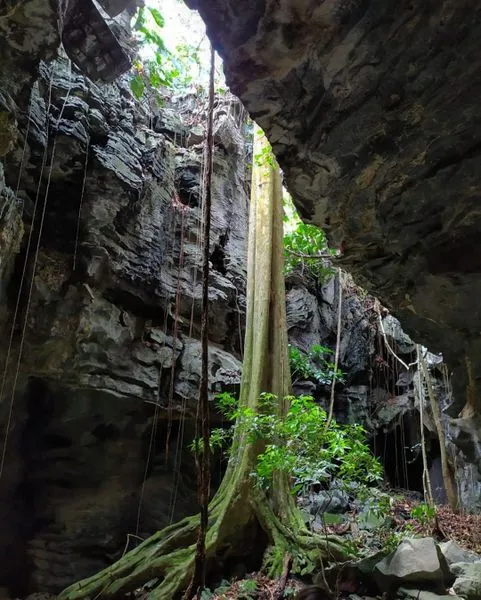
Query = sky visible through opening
x=184 y=26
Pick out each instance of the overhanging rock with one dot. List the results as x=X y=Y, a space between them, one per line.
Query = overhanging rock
x=372 y=109
x=90 y=42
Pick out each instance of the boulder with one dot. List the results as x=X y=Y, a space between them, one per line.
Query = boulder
x=333 y=501
x=414 y=561
x=416 y=594
x=454 y=554
x=468 y=579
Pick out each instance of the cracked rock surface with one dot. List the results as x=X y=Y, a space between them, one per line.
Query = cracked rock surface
x=110 y=348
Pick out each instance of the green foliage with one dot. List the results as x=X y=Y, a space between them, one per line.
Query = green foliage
x=304 y=563
x=382 y=505
x=219 y=438
x=423 y=513
x=391 y=540
x=314 y=365
x=302 y=248
x=166 y=70
x=137 y=85
x=303 y=244
x=354 y=547
x=158 y=18
x=299 y=443
x=247 y=589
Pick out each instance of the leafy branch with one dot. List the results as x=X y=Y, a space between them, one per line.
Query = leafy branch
x=299 y=443
x=314 y=365
x=305 y=246
x=166 y=70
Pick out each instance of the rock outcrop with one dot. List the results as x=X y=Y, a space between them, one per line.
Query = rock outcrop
x=107 y=320
x=415 y=561
x=468 y=580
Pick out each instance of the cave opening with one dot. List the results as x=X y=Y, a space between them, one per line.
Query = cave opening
x=21 y=510
x=399 y=451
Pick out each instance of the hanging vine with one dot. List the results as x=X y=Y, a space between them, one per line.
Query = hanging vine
x=338 y=344
x=202 y=419
x=428 y=492
x=29 y=290
x=448 y=479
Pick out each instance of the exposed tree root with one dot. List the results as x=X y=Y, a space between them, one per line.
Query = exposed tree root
x=168 y=556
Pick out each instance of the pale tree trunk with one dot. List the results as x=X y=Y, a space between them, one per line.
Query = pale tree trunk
x=428 y=493
x=168 y=555
x=446 y=470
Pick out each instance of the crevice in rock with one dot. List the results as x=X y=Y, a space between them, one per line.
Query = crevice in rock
x=218 y=256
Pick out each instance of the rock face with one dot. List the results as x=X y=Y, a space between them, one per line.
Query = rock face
x=29 y=33
x=371 y=108
x=414 y=594
x=454 y=554
x=107 y=322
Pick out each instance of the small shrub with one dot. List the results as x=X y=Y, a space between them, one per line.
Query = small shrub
x=314 y=365
x=423 y=513
x=299 y=443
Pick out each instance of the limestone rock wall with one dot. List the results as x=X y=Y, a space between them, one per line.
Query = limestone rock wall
x=380 y=393
x=107 y=322
x=108 y=319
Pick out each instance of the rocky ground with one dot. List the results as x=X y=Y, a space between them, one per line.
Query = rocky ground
x=402 y=553
x=402 y=556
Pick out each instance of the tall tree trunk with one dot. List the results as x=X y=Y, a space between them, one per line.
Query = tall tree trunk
x=168 y=556
x=448 y=479
x=428 y=493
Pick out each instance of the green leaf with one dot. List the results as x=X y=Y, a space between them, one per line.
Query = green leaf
x=137 y=86
x=153 y=38
x=158 y=18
